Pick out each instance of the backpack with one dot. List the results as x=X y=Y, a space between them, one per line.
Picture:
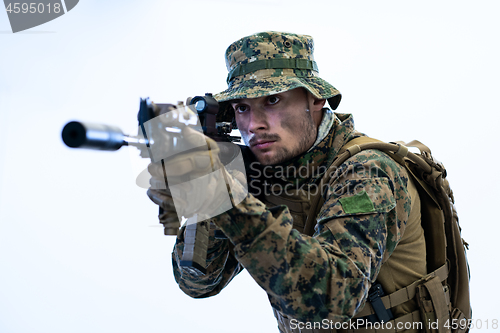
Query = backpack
x=443 y=294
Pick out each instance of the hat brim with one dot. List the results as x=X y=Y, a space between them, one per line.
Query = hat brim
x=254 y=88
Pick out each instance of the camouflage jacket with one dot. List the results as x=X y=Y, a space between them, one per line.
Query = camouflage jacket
x=326 y=275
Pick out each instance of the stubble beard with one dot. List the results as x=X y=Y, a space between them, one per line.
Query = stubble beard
x=282 y=154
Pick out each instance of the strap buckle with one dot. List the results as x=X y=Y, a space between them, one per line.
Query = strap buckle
x=381 y=313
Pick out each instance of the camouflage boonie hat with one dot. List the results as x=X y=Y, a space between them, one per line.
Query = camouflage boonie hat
x=271 y=62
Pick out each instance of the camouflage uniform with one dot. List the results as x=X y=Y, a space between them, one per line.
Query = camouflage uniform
x=326 y=275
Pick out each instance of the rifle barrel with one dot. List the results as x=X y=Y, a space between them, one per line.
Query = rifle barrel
x=77 y=134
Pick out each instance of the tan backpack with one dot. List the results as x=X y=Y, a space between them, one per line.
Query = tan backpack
x=443 y=294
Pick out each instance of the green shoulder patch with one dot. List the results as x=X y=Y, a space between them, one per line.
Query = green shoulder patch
x=358 y=203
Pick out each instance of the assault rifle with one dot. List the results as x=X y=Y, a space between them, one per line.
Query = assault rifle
x=84 y=135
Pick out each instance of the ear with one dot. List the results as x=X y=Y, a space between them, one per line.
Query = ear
x=319 y=103
x=316 y=107
x=315 y=104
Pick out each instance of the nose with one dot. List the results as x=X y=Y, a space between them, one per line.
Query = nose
x=257 y=121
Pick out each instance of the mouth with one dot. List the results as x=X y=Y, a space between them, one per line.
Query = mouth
x=262 y=144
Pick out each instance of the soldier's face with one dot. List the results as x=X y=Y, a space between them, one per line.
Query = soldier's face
x=278 y=127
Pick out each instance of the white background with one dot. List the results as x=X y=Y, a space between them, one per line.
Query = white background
x=77 y=250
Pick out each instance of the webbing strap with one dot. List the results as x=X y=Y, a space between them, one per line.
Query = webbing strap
x=310 y=222
x=295 y=206
x=405 y=294
x=357 y=141
x=353 y=147
x=402 y=151
x=353 y=150
x=433 y=303
x=286 y=63
x=365 y=143
x=317 y=201
x=419 y=145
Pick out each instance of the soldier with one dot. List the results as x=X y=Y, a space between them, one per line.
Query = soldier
x=316 y=239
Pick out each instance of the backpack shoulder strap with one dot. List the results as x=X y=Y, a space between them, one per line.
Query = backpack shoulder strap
x=447 y=260
x=318 y=200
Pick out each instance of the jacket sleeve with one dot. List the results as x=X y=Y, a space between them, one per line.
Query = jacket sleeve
x=328 y=275
x=222 y=267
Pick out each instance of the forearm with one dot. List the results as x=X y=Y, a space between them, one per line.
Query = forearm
x=221 y=268
x=307 y=278
x=328 y=275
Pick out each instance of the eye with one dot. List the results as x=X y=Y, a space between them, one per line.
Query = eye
x=273 y=99
x=240 y=108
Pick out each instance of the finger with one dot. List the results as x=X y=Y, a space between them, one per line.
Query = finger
x=168 y=217
x=162 y=199
x=171 y=223
x=194 y=137
x=198 y=139
x=159 y=184
x=198 y=162
x=156 y=170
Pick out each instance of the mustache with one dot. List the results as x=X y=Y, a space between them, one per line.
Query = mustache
x=263 y=136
